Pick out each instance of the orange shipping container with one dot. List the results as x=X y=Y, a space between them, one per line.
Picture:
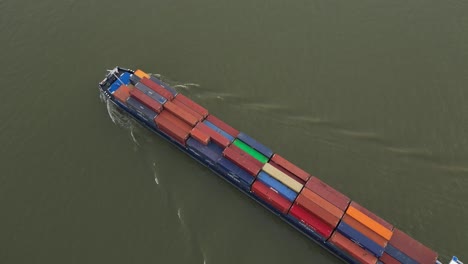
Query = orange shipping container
x=372 y=215
x=353 y=249
x=318 y=211
x=369 y=222
x=141 y=74
x=365 y=231
x=337 y=212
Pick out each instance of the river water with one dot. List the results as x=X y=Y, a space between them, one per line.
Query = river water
x=370 y=96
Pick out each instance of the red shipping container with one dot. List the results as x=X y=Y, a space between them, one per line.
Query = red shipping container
x=123 y=93
x=188 y=109
x=192 y=105
x=287 y=172
x=246 y=156
x=174 y=119
x=387 y=259
x=181 y=113
x=200 y=136
x=354 y=250
x=223 y=126
x=146 y=100
x=328 y=193
x=271 y=197
x=311 y=220
x=242 y=161
x=290 y=167
x=172 y=129
x=372 y=215
x=157 y=88
x=215 y=136
x=412 y=248
x=318 y=211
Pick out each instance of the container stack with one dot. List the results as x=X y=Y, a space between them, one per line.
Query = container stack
x=404 y=249
x=319 y=207
x=243 y=162
x=369 y=233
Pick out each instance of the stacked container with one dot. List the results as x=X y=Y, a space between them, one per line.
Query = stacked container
x=370 y=232
x=404 y=249
x=319 y=207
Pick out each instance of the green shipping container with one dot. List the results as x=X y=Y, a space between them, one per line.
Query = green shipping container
x=252 y=152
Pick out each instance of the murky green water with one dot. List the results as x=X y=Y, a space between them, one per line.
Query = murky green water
x=369 y=96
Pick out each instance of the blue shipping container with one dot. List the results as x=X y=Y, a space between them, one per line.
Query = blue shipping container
x=360 y=239
x=255 y=144
x=165 y=86
x=235 y=171
x=145 y=89
x=278 y=186
x=142 y=110
x=400 y=256
x=210 y=153
x=219 y=130
x=123 y=79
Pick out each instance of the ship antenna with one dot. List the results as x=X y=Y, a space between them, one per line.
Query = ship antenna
x=114 y=72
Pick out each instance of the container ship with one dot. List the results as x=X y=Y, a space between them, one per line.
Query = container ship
x=322 y=213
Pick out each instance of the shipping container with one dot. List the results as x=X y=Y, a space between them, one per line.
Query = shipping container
x=145 y=89
x=235 y=171
x=124 y=78
x=271 y=197
x=337 y=212
x=360 y=239
x=225 y=127
x=134 y=79
x=181 y=113
x=177 y=121
x=328 y=193
x=172 y=130
x=318 y=211
x=283 y=170
x=188 y=109
x=282 y=177
x=311 y=220
x=402 y=257
x=215 y=137
x=278 y=186
x=252 y=152
x=249 y=164
x=157 y=88
x=146 y=100
x=355 y=251
x=165 y=86
x=123 y=93
x=372 y=215
x=387 y=259
x=199 y=135
x=365 y=231
x=290 y=167
x=255 y=144
x=412 y=248
x=141 y=74
x=141 y=109
x=211 y=153
x=191 y=104
x=369 y=222
x=219 y=130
